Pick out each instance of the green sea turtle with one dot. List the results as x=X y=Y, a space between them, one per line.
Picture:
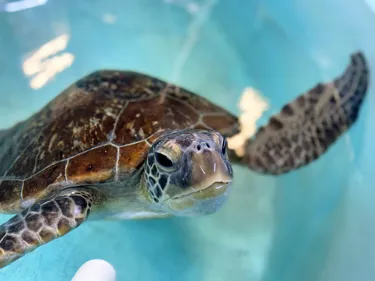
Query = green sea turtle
x=129 y=146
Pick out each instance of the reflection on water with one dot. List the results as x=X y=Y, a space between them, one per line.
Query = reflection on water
x=45 y=63
x=201 y=16
x=252 y=106
x=16 y=6
x=192 y=7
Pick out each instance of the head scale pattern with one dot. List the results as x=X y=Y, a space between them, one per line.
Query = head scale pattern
x=175 y=169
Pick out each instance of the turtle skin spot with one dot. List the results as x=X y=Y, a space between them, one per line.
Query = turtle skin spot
x=29 y=238
x=11 y=244
x=35 y=208
x=80 y=201
x=276 y=124
x=33 y=222
x=16 y=227
x=163 y=181
x=63 y=226
x=151 y=160
x=65 y=206
x=152 y=181
x=158 y=192
x=154 y=170
x=287 y=110
x=79 y=221
x=2 y=234
x=46 y=235
x=50 y=212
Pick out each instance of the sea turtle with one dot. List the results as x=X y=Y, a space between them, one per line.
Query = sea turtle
x=121 y=144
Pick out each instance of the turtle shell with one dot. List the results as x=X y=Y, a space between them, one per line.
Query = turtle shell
x=97 y=130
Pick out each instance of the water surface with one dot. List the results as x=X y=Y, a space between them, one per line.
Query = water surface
x=293 y=227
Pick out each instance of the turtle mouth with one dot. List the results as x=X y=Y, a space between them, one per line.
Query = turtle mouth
x=200 y=202
x=213 y=190
x=209 y=186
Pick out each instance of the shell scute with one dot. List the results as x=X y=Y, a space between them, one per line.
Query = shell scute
x=39 y=184
x=10 y=194
x=93 y=166
x=143 y=118
x=132 y=156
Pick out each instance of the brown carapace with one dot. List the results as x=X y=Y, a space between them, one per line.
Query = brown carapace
x=90 y=147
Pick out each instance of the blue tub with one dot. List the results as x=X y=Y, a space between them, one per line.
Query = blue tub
x=312 y=224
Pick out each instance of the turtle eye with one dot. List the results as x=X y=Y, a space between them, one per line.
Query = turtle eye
x=163 y=160
x=224 y=146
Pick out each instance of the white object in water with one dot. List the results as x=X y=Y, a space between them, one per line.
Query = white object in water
x=252 y=105
x=95 y=270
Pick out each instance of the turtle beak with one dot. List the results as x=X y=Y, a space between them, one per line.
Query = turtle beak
x=211 y=178
x=211 y=174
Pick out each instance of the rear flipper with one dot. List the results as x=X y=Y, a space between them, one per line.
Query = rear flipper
x=43 y=222
x=306 y=127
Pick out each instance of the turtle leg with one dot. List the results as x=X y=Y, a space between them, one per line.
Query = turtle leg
x=306 y=127
x=45 y=221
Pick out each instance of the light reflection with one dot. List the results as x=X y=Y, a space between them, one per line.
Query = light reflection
x=191 y=7
x=52 y=67
x=109 y=18
x=371 y=4
x=253 y=105
x=45 y=63
x=194 y=30
x=23 y=5
x=30 y=66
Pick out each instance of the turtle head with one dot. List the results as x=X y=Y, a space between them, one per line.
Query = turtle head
x=187 y=172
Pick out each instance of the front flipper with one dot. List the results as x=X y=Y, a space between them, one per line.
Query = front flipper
x=43 y=222
x=306 y=127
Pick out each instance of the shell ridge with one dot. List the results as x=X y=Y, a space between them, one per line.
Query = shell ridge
x=112 y=134
x=22 y=153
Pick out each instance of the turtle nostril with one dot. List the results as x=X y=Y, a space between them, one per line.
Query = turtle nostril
x=203 y=145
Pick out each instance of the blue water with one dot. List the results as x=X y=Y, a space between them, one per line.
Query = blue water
x=312 y=224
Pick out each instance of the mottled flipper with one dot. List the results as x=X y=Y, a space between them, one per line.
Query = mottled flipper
x=43 y=222
x=306 y=127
